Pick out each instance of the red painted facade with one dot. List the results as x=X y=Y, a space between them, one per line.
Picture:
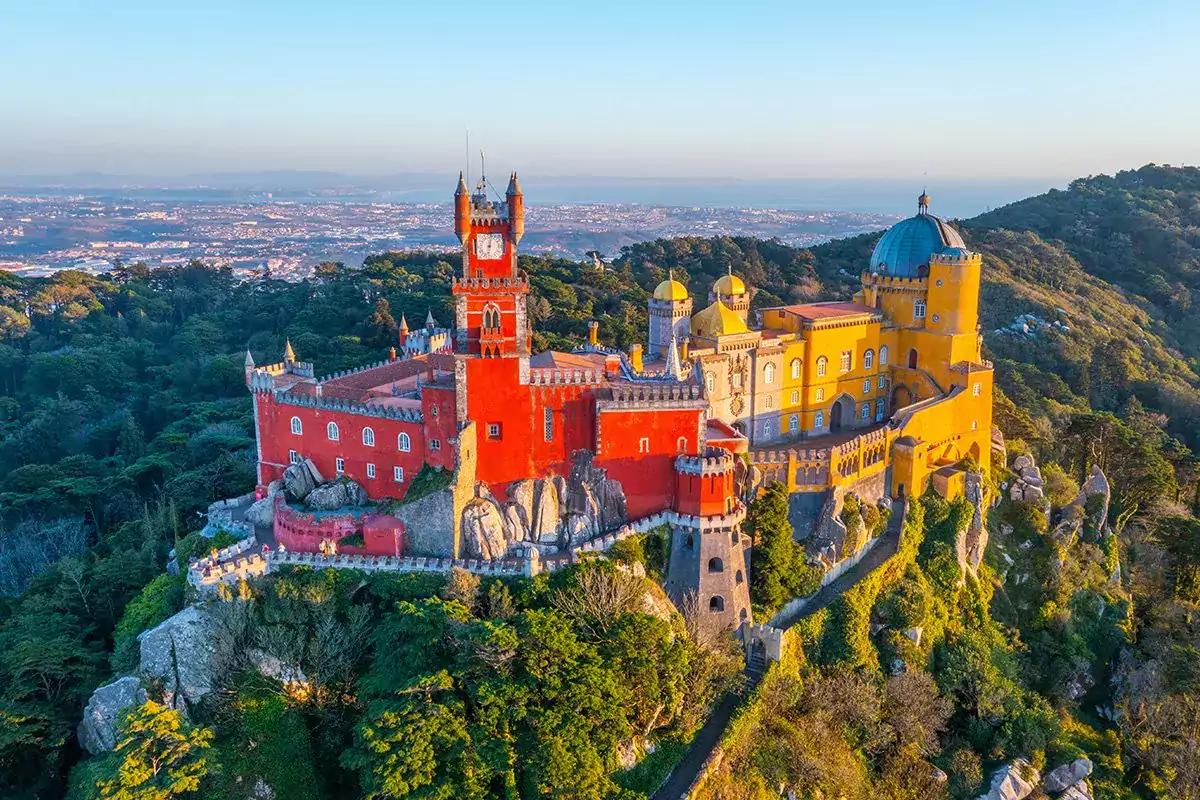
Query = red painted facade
x=530 y=413
x=303 y=532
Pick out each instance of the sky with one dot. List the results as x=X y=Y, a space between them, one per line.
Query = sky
x=750 y=90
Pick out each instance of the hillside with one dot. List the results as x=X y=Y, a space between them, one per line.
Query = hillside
x=123 y=413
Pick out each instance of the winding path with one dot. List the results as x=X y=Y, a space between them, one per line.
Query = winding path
x=681 y=781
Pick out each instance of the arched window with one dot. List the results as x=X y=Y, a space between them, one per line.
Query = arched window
x=369 y=437
x=689 y=542
x=919 y=309
x=710 y=381
x=403 y=443
x=793 y=423
x=740 y=579
x=819 y=420
x=869 y=359
x=846 y=362
x=865 y=412
x=822 y=366
x=491 y=316
x=331 y=430
x=795 y=369
x=821 y=394
x=297 y=426
x=769 y=373
x=716 y=603
x=681 y=445
x=883 y=355
x=716 y=565
x=912 y=358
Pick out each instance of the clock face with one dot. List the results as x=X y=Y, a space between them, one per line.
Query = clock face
x=489 y=245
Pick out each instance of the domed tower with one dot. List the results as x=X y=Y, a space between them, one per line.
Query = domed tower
x=709 y=564
x=669 y=310
x=732 y=292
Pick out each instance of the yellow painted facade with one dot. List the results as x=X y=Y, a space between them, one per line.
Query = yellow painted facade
x=891 y=383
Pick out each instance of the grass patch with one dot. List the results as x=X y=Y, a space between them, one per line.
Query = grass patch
x=648 y=774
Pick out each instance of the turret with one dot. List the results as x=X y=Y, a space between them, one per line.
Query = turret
x=516 y=207
x=462 y=209
x=248 y=367
x=289 y=355
x=403 y=332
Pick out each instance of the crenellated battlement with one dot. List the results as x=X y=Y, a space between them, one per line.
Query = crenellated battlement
x=652 y=395
x=881 y=280
x=714 y=461
x=262 y=379
x=808 y=454
x=349 y=407
x=956 y=256
x=565 y=377
x=517 y=283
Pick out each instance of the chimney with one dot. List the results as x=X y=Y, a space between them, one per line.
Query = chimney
x=391 y=354
x=594 y=333
x=635 y=357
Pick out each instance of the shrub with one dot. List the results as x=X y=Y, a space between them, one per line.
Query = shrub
x=158 y=599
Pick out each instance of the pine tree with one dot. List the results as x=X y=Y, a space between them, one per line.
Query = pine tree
x=159 y=757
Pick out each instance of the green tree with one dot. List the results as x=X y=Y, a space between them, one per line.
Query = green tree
x=159 y=756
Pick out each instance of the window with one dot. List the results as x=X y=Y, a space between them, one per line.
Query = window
x=736 y=377
x=879 y=410
x=434 y=410
x=435 y=444
x=869 y=359
x=491 y=316
x=710 y=381
x=403 y=443
x=340 y=465
x=769 y=402
x=493 y=430
x=716 y=565
x=846 y=362
x=398 y=474
x=819 y=420
x=548 y=424
x=769 y=374
x=740 y=578
x=883 y=355
x=919 y=310
x=882 y=382
x=644 y=444
x=297 y=427
x=331 y=430
x=795 y=369
x=681 y=445
x=293 y=457
x=793 y=423
x=768 y=428
x=369 y=437
x=370 y=470
x=822 y=366
x=795 y=396
x=821 y=395
x=865 y=414
x=689 y=542
x=866 y=385
x=974 y=425
x=716 y=603
x=976 y=389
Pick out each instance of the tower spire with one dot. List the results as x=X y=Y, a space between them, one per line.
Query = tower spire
x=289 y=355
x=674 y=368
x=923 y=203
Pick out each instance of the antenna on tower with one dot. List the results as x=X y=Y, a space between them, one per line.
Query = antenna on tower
x=482 y=170
x=467 y=156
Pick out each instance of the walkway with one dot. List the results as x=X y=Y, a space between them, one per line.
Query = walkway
x=680 y=782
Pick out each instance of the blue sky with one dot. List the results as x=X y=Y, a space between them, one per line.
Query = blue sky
x=751 y=89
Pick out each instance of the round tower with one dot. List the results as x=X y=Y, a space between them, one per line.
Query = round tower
x=462 y=209
x=709 y=565
x=516 y=208
x=732 y=292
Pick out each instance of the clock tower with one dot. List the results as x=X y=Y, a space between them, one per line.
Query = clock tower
x=489 y=295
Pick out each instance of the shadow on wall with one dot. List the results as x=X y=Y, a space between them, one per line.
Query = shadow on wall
x=804 y=508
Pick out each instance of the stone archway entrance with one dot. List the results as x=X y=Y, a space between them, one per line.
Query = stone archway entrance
x=841 y=415
x=901 y=397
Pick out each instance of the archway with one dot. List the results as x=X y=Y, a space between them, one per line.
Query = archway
x=901 y=397
x=841 y=415
x=912 y=358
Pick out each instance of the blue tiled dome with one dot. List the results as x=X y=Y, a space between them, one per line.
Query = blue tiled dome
x=905 y=249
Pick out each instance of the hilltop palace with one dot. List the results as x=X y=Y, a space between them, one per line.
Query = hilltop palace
x=544 y=455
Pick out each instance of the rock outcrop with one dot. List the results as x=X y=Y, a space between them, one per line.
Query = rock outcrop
x=1013 y=781
x=1028 y=486
x=178 y=654
x=262 y=512
x=553 y=512
x=339 y=493
x=1087 y=515
x=829 y=534
x=972 y=543
x=98 y=730
x=300 y=479
x=1068 y=775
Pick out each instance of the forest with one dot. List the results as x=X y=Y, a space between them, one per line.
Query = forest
x=123 y=413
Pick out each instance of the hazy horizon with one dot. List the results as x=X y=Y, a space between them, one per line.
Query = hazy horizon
x=752 y=91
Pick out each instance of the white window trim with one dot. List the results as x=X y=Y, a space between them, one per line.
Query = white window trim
x=370 y=470
x=297 y=426
x=340 y=466
x=398 y=474
x=333 y=432
x=368 y=437
x=404 y=443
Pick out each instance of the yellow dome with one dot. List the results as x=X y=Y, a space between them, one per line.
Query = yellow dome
x=717 y=320
x=728 y=285
x=670 y=289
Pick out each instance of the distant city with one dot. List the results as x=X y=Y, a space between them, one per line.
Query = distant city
x=287 y=239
